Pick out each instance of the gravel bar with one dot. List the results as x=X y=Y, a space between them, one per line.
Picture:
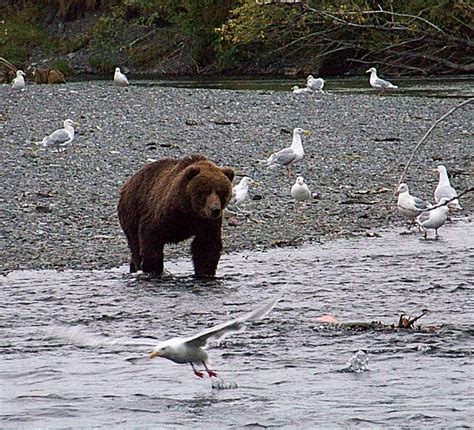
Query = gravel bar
x=58 y=211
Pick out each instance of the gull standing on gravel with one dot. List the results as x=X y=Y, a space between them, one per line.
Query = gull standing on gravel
x=410 y=206
x=444 y=189
x=300 y=191
x=315 y=84
x=19 y=82
x=435 y=218
x=240 y=191
x=297 y=90
x=286 y=157
x=190 y=350
x=377 y=83
x=119 y=78
x=62 y=138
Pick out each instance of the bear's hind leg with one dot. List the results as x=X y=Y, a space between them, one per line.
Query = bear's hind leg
x=206 y=250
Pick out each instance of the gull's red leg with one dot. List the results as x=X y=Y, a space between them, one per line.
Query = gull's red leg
x=209 y=372
x=196 y=372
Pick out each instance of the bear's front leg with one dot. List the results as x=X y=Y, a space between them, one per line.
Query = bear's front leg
x=151 y=251
x=206 y=249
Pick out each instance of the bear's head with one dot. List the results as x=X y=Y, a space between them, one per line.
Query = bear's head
x=209 y=189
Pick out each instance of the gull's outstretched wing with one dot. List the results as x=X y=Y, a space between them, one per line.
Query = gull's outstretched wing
x=221 y=330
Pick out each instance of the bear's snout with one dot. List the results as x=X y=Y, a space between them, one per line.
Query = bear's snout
x=213 y=207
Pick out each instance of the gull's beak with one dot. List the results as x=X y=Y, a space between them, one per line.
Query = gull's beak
x=306 y=132
x=154 y=354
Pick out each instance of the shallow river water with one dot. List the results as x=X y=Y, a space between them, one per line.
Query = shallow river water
x=287 y=370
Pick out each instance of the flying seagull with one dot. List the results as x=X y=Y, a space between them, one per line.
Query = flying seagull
x=191 y=349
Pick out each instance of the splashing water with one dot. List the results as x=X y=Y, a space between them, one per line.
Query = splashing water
x=358 y=363
x=221 y=384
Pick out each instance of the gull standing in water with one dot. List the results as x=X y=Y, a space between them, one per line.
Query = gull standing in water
x=19 y=82
x=435 y=218
x=444 y=189
x=410 y=206
x=286 y=157
x=377 y=83
x=119 y=78
x=190 y=350
x=62 y=138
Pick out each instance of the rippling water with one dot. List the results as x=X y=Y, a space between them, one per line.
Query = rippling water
x=286 y=371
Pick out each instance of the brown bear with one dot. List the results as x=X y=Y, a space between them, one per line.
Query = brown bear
x=171 y=200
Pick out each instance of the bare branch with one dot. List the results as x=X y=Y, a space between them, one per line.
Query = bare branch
x=447 y=202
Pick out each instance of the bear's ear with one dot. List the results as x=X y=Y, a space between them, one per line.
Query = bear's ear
x=229 y=172
x=191 y=172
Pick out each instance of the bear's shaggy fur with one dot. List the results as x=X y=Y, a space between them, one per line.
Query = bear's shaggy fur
x=170 y=200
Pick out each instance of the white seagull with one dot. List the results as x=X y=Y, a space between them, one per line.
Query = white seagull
x=62 y=138
x=377 y=83
x=191 y=349
x=19 y=82
x=297 y=90
x=444 y=189
x=315 y=84
x=286 y=157
x=435 y=218
x=241 y=190
x=300 y=191
x=409 y=206
x=119 y=78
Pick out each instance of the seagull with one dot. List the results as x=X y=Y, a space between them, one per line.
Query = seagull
x=300 y=191
x=435 y=218
x=297 y=90
x=315 y=84
x=377 y=83
x=19 y=82
x=191 y=349
x=241 y=190
x=444 y=189
x=410 y=206
x=60 y=139
x=119 y=78
x=286 y=157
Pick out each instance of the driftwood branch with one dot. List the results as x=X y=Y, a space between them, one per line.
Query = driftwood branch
x=464 y=103
x=8 y=64
x=447 y=202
